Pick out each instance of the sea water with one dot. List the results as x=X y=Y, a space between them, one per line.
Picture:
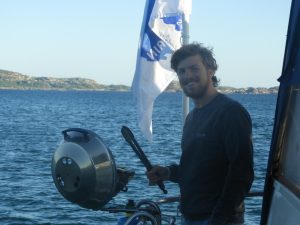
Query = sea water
x=30 y=131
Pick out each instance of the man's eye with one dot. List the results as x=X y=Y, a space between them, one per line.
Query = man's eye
x=195 y=69
x=180 y=72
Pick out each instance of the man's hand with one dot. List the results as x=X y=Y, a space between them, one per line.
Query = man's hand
x=158 y=173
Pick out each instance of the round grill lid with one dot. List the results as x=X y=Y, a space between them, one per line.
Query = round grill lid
x=84 y=170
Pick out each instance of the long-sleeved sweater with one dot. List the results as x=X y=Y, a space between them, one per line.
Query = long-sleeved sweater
x=216 y=167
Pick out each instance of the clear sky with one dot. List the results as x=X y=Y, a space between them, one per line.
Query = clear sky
x=99 y=39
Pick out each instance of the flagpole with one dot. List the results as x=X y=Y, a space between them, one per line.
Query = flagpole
x=185 y=40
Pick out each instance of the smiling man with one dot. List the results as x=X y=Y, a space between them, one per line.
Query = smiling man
x=215 y=171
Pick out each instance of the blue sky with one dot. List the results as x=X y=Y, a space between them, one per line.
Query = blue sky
x=99 y=39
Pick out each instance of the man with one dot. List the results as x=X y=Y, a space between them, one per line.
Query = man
x=216 y=166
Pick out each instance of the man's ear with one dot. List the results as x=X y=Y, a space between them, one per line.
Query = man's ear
x=211 y=73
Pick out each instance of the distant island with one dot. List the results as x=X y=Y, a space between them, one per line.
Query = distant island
x=14 y=80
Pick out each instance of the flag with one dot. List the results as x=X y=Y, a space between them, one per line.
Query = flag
x=160 y=36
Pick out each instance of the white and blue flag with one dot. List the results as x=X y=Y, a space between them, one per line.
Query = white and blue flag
x=160 y=36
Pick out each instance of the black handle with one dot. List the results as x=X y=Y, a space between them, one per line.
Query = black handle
x=129 y=137
x=76 y=135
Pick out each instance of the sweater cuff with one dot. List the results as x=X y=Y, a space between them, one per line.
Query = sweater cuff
x=173 y=173
x=168 y=172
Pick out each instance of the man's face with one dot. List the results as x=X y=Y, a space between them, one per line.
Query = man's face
x=194 y=78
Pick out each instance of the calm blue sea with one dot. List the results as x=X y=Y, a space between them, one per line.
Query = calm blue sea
x=30 y=131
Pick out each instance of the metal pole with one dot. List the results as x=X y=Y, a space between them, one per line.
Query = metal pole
x=185 y=40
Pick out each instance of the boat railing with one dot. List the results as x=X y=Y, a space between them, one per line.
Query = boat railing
x=148 y=211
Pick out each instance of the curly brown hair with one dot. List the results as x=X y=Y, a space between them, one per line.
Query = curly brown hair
x=196 y=49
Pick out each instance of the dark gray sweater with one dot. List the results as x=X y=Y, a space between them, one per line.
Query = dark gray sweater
x=216 y=166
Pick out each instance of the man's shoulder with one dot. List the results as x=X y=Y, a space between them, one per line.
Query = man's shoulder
x=232 y=107
x=230 y=102
x=235 y=111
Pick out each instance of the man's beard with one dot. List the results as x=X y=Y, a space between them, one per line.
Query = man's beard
x=198 y=92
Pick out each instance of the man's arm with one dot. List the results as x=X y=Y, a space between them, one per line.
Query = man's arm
x=239 y=151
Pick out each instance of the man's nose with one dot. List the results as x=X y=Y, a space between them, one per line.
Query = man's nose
x=188 y=72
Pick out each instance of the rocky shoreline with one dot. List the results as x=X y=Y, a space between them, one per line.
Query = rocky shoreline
x=18 y=81
x=174 y=86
